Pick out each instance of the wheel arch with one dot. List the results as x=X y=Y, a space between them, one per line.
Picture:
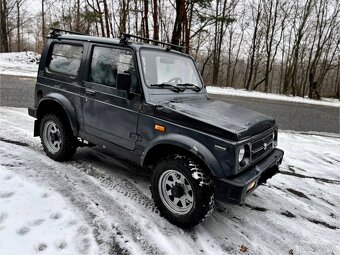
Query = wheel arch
x=60 y=105
x=181 y=144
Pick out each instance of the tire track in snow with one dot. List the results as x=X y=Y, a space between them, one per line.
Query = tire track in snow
x=94 y=200
x=90 y=199
x=120 y=185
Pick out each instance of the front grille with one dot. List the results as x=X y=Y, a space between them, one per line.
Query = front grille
x=261 y=146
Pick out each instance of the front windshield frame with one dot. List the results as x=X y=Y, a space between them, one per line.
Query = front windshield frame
x=190 y=60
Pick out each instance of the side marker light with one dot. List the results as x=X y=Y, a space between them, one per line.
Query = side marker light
x=160 y=128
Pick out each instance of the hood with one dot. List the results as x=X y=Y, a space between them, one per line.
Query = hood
x=216 y=117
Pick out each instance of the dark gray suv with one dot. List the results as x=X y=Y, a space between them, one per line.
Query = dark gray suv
x=149 y=105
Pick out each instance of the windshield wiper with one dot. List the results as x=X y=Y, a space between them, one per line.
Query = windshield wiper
x=170 y=86
x=193 y=86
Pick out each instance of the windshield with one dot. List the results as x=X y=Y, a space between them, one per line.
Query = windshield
x=161 y=67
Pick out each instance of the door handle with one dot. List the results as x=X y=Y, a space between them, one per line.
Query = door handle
x=90 y=92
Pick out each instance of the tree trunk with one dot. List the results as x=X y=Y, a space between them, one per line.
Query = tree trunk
x=106 y=15
x=123 y=15
x=136 y=18
x=177 y=31
x=101 y=22
x=253 y=49
x=337 y=82
x=3 y=26
x=270 y=34
x=78 y=17
x=155 y=21
x=43 y=33
x=189 y=26
x=215 y=72
x=230 y=48
x=18 y=26
x=236 y=60
x=146 y=19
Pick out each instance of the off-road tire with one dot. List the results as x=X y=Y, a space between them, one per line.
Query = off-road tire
x=68 y=143
x=200 y=182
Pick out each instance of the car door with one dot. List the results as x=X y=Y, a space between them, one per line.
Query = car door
x=110 y=109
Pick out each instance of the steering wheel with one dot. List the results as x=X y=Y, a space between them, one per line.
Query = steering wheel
x=175 y=80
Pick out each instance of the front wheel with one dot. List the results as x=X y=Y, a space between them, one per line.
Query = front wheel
x=182 y=191
x=57 y=138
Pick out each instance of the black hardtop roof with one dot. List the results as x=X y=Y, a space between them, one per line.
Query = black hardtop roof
x=106 y=40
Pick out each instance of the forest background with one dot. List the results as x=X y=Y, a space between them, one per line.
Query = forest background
x=273 y=46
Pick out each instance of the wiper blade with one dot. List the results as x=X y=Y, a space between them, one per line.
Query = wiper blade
x=170 y=86
x=193 y=86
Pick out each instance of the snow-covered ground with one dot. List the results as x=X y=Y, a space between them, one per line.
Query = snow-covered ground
x=296 y=212
x=24 y=64
x=19 y=63
x=34 y=218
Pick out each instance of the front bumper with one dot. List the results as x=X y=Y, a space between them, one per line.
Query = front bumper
x=235 y=190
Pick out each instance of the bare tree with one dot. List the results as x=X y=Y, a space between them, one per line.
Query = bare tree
x=323 y=49
x=123 y=16
x=268 y=45
x=146 y=19
x=177 y=30
x=43 y=25
x=292 y=62
x=254 y=45
x=221 y=22
x=106 y=17
x=155 y=20
x=3 y=26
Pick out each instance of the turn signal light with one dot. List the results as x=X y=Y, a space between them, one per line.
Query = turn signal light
x=160 y=128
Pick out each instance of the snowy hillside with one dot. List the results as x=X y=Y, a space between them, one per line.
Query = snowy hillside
x=109 y=202
x=19 y=63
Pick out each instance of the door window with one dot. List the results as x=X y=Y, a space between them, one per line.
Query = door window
x=113 y=67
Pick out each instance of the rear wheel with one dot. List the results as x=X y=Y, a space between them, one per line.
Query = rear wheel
x=182 y=191
x=57 y=138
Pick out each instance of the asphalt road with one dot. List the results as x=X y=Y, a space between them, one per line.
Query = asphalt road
x=290 y=115
x=19 y=91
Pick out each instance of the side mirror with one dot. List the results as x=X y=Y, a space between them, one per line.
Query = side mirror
x=124 y=82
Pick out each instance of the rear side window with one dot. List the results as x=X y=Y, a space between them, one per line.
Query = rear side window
x=65 y=59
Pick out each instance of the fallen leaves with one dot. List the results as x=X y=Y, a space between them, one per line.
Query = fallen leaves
x=243 y=248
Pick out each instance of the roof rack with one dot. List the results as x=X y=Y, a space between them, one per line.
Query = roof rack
x=125 y=38
x=58 y=32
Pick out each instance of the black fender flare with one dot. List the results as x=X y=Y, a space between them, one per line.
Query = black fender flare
x=189 y=144
x=66 y=105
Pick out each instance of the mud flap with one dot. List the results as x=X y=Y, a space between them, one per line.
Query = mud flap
x=36 y=128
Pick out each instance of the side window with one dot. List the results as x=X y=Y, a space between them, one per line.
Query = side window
x=113 y=67
x=65 y=59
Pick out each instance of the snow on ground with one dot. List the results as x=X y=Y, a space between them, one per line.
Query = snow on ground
x=34 y=219
x=244 y=93
x=296 y=212
x=19 y=63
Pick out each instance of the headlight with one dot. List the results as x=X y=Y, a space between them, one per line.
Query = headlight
x=241 y=153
